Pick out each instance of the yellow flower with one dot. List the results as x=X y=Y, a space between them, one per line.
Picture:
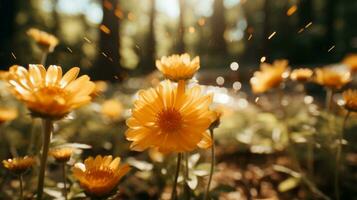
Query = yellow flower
x=332 y=78
x=350 y=98
x=100 y=87
x=99 y=176
x=178 y=67
x=48 y=94
x=155 y=155
x=169 y=118
x=216 y=120
x=302 y=74
x=351 y=62
x=112 y=109
x=269 y=76
x=61 y=154
x=45 y=40
x=18 y=165
x=4 y=75
x=7 y=114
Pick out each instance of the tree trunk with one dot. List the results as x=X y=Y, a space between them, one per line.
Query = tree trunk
x=150 y=53
x=330 y=19
x=266 y=29
x=305 y=12
x=108 y=65
x=7 y=21
x=218 y=28
x=180 y=43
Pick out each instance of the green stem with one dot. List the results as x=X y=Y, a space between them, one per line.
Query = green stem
x=178 y=166
x=44 y=58
x=47 y=130
x=64 y=180
x=338 y=156
x=206 y=196
x=21 y=187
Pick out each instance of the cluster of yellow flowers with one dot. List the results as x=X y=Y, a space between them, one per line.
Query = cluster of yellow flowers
x=272 y=75
x=171 y=117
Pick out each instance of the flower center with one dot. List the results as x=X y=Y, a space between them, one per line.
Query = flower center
x=169 y=120
x=99 y=175
x=50 y=94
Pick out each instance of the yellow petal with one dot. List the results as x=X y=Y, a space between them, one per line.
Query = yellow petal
x=115 y=163
x=76 y=86
x=53 y=75
x=69 y=76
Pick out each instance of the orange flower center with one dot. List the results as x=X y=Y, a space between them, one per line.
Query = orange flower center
x=55 y=93
x=169 y=120
x=99 y=175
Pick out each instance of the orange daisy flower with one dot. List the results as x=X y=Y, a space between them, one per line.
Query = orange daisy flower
x=7 y=114
x=269 y=76
x=61 y=154
x=178 y=67
x=100 y=175
x=332 y=78
x=19 y=165
x=350 y=98
x=112 y=109
x=351 y=62
x=48 y=94
x=302 y=74
x=45 y=40
x=169 y=118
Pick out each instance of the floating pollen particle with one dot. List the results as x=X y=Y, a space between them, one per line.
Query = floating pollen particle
x=271 y=35
x=104 y=29
x=291 y=10
x=263 y=59
x=331 y=48
x=307 y=25
x=250 y=36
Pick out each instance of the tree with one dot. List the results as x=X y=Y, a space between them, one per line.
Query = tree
x=108 y=66
x=305 y=12
x=180 y=43
x=266 y=28
x=218 y=28
x=148 y=60
x=7 y=21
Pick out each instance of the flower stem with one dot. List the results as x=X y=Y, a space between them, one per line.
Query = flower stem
x=212 y=165
x=338 y=156
x=178 y=166
x=310 y=155
x=64 y=180
x=44 y=58
x=21 y=187
x=186 y=178
x=47 y=130
x=32 y=137
x=329 y=96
